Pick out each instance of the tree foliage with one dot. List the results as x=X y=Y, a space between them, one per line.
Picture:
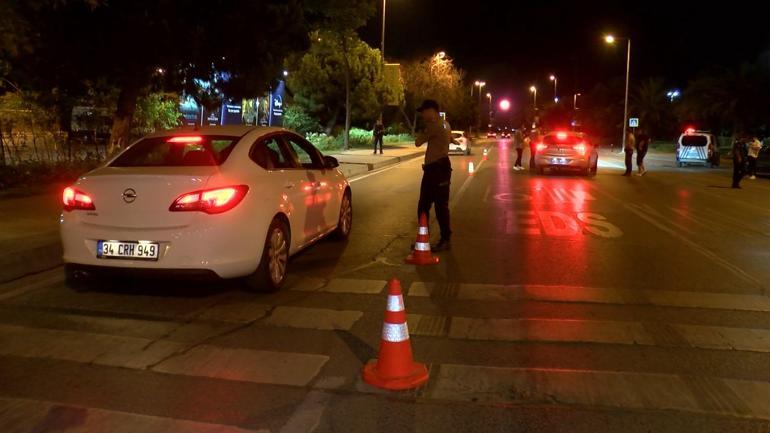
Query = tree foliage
x=318 y=80
x=437 y=78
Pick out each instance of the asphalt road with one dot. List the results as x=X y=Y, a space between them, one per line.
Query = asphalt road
x=567 y=304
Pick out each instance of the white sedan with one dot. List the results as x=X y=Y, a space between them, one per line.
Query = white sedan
x=460 y=143
x=229 y=201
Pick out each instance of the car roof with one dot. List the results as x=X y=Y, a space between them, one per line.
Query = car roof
x=234 y=130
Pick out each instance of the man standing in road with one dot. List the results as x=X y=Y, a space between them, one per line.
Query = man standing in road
x=437 y=170
x=755 y=145
x=739 y=161
x=629 y=149
x=378 y=133
x=518 y=142
x=642 y=145
x=534 y=137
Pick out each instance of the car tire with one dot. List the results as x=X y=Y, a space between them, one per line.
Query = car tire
x=345 y=222
x=273 y=265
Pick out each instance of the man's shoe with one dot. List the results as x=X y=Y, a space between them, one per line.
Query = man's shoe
x=442 y=245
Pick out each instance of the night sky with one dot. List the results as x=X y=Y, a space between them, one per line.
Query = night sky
x=512 y=44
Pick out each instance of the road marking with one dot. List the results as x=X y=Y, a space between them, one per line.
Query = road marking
x=24 y=416
x=308 y=414
x=128 y=352
x=257 y=366
x=559 y=224
x=737 y=271
x=458 y=195
x=563 y=293
x=346 y=285
x=313 y=318
x=592 y=331
x=624 y=390
x=237 y=312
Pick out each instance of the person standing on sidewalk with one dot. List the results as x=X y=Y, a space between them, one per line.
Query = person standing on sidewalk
x=518 y=143
x=739 y=161
x=378 y=133
x=642 y=145
x=753 y=154
x=437 y=170
x=629 y=149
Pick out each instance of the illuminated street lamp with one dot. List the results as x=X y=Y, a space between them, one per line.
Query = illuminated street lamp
x=533 y=89
x=555 y=83
x=610 y=39
x=489 y=97
x=478 y=84
x=574 y=100
x=505 y=105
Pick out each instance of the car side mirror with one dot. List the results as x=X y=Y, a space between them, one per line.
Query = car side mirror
x=331 y=162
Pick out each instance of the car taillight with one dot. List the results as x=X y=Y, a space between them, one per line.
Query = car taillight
x=211 y=201
x=580 y=148
x=541 y=147
x=74 y=199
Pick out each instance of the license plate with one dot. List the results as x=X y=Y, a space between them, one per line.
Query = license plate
x=558 y=160
x=141 y=250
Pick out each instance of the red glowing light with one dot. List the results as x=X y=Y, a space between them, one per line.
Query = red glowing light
x=505 y=105
x=189 y=139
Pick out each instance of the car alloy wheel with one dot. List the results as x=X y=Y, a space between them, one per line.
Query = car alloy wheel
x=278 y=256
x=346 y=215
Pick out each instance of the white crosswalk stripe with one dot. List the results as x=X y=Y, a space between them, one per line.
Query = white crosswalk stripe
x=664 y=298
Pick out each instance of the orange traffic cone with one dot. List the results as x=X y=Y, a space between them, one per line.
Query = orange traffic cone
x=421 y=254
x=395 y=369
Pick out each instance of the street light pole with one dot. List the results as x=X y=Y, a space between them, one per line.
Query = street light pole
x=382 y=39
x=555 y=80
x=533 y=89
x=574 y=101
x=611 y=40
x=625 y=104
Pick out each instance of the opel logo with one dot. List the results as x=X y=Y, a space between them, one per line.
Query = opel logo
x=129 y=195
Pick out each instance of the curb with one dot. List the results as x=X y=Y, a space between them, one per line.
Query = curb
x=21 y=263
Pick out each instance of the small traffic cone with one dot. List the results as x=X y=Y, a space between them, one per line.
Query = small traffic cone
x=395 y=369
x=421 y=254
x=470 y=168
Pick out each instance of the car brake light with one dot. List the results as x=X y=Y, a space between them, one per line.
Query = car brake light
x=188 y=139
x=211 y=201
x=541 y=147
x=561 y=136
x=580 y=148
x=74 y=199
x=689 y=130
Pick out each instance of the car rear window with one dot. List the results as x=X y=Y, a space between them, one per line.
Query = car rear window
x=178 y=151
x=694 y=140
x=568 y=140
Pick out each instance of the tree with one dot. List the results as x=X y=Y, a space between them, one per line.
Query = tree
x=129 y=43
x=322 y=75
x=436 y=77
x=339 y=20
x=650 y=104
x=729 y=99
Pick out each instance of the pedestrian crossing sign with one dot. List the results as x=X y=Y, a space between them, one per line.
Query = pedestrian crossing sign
x=633 y=122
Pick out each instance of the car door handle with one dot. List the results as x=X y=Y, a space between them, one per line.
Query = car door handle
x=289 y=185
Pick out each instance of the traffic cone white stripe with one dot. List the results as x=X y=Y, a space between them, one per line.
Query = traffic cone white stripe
x=422 y=231
x=395 y=303
x=395 y=332
x=422 y=246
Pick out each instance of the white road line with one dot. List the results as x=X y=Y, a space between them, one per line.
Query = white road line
x=313 y=318
x=458 y=195
x=624 y=390
x=256 y=366
x=24 y=416
x=308 y=414
x=665 y=298
x=592 y=331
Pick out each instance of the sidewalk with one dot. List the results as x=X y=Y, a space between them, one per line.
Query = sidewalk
x=359 y=161
x=29 y=226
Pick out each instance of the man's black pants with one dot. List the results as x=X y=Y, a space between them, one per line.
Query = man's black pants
x=377 y=140
x=738 y=172
x=434 y=191
x=629 y=161
x=519 y=152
